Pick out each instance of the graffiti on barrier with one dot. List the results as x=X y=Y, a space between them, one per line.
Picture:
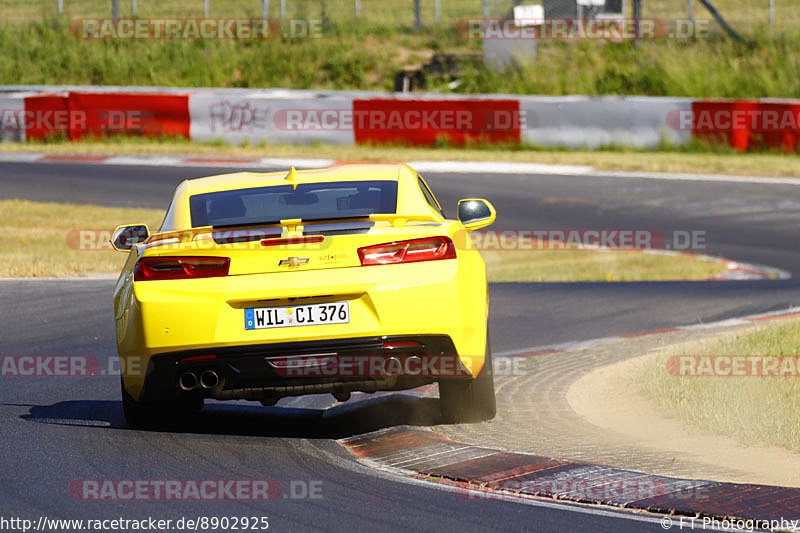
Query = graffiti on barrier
x=237 y=116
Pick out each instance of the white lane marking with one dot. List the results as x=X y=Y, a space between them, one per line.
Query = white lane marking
x=491 y=167
x=720 y=323
x=769 y=314
x=681 y=176
x=286 y=162
x=157 y=161
x=13 y=157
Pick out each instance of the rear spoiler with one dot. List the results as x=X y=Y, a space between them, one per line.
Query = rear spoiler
x=188 y=235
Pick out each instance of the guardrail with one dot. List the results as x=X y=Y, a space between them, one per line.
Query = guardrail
x=346 y=118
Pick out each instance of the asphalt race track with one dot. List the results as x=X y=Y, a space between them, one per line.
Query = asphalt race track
x=57 y=430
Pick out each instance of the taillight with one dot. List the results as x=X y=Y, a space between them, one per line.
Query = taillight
x=160 y=268
x=428 y=249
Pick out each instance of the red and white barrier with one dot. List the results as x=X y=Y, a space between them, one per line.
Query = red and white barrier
x=595 y=121
x=428 y=121
x=346 y=118
x=81 y=114
x=748 y=124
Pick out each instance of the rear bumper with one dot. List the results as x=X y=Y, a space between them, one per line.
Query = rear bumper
x=435 y=298
x=277 y=370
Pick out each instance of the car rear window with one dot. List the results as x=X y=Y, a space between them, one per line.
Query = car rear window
x=309 y=201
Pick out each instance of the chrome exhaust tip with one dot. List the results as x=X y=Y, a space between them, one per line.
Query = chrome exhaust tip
x=188 y=381
x=209 y=379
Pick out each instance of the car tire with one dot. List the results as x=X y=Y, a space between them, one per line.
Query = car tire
x=472 y=400
x=140 y=415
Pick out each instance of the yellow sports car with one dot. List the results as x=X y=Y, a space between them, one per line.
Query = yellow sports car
x=262 y=286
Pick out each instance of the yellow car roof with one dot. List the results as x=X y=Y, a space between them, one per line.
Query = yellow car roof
x=410 y=200
x=243 y=180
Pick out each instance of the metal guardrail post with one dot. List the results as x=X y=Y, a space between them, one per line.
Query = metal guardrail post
x=417 y=16
x=722 y=22
x=115 y=9
x=772 y=12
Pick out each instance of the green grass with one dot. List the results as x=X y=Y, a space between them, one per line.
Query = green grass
x=351 y=59
x=757 y=410
x=34 y=238
x=38 y=239
x=717 y=67
x=364 y=56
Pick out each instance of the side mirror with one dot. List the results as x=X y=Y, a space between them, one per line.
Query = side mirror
x=475 y=213
x=124 y=237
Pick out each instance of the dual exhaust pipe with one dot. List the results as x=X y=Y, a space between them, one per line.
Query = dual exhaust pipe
x=207 y=380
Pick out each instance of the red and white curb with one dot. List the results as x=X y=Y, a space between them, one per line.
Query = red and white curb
x=746 y=271
x=479 y=473
x=735 y=270
x=484 y=474
x=436 y=167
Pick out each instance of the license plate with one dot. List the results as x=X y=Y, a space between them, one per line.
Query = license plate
x=297 y=315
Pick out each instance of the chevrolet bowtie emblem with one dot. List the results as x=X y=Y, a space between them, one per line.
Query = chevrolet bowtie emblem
x=293 y=262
